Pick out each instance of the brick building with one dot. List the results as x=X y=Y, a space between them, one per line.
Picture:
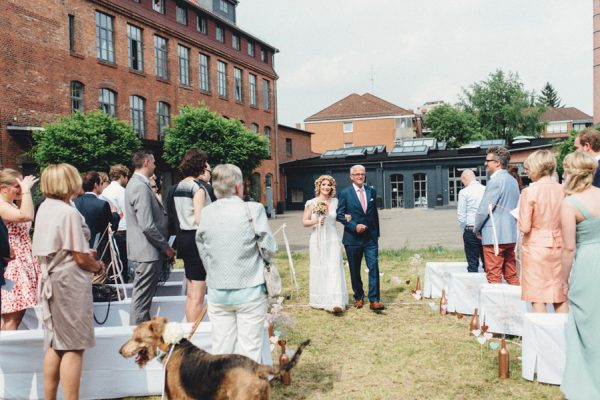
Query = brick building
x=138 y=60
x=361 y=120
x=562 y=120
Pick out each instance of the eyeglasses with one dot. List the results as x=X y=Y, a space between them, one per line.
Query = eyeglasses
x=359 y=174
x=487 y=161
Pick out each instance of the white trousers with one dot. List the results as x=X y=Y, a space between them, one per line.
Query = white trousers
x=238 y=328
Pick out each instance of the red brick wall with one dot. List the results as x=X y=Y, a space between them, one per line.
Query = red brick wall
x=36 y=66
x=301 y=149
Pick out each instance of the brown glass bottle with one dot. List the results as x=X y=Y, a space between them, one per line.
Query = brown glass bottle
x=474 y=322
x=443 y=303
x=503 y=360
x=286 y=377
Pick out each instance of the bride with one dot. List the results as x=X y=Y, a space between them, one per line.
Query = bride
x=327 y=279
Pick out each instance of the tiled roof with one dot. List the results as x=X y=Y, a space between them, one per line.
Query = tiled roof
x=564 y=114
x=357 y=106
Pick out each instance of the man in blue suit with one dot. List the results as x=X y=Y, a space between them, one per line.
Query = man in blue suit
x=502 y=193
x=361 y=234
x=588 y=141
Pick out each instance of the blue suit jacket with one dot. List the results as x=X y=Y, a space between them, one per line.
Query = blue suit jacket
x=97 y=215
x=596 y=181
x=350 y=204
x=503 y=192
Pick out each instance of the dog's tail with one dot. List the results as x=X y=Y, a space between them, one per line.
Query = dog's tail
x=278 y=371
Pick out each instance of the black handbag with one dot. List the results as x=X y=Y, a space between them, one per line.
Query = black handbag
x=102 y=293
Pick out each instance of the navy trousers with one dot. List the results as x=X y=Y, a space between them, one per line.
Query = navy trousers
x=473 y=251
x=355 y=255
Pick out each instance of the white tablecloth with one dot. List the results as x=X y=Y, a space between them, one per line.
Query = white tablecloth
x=543 y=347
x=437 y=276
x=463 y=291
x=501 y=308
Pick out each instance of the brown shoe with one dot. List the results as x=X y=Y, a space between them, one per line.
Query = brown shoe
x=337 y=310
x=376 y=306
x=359 y=303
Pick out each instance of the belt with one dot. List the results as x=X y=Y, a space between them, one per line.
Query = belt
x=469 y=228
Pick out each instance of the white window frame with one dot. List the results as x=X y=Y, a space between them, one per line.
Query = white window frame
x=351 y=124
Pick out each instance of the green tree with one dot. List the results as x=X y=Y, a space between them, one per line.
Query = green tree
x=91 y=141
x=501 y=105
x=225 y=140
x=548 y=97
x=452 y=125
x=566 y=147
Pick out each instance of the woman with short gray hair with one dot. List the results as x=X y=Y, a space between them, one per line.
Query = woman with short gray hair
x=228 y=238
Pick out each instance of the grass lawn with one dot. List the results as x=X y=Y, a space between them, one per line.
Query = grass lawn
x=407 y=352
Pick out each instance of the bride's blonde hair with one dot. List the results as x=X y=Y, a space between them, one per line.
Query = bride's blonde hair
x=579 y=172
x=325 y=178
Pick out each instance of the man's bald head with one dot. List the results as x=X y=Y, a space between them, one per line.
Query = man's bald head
x=467 y=177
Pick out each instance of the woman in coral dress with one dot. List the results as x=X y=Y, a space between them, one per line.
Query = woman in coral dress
x=539 y=220
x=23 y=270
x=327 y=281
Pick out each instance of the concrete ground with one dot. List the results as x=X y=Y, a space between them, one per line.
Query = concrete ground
x=413 y=228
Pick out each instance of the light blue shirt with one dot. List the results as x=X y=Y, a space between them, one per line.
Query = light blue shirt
x=468 y=203
x=236 y=296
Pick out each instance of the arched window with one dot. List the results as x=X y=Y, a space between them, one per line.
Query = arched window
x=107 y=100
x=137 y=105
x=163 y=111
x=76 y=96
x=397 y=190
x=254 y=127
x=420 y=188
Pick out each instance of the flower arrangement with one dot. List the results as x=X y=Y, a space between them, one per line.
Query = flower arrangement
x=415 y=262
x=321 y=208
x=279 y=320
x=173 y=333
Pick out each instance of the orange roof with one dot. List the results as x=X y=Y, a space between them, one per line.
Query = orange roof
x=357 y=106
x=564 y=114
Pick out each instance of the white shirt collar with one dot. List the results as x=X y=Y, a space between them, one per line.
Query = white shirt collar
x=356 y=188
x=92 y=193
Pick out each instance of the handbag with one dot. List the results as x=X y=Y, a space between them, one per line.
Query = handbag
x=102 y=292
x=270 y=271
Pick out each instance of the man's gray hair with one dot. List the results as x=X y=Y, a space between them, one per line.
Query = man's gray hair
x=500 y=154
x=352 y=168
x=225 y=177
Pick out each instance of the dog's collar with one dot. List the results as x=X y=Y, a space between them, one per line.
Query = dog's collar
x=160 y=354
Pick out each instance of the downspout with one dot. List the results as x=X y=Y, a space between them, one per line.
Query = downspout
x=276 y=127
x=383 y=183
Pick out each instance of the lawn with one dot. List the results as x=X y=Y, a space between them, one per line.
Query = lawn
x=409 y=351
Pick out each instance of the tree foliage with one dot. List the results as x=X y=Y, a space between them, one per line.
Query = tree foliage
x=566 y=147
x=225 y=140
x=549 y=97
x=450 y=124
x=91 y=141
x=501 y=105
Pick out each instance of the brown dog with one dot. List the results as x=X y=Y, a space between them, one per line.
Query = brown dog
x=192 y=373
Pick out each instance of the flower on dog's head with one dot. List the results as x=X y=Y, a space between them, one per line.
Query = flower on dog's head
x=173 y=333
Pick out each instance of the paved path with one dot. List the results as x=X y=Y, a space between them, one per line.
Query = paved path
x=399 y=228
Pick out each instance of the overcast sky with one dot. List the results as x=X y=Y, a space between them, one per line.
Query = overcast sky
x=420 y=50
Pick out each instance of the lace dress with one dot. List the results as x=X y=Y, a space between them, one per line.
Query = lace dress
x=327 y=277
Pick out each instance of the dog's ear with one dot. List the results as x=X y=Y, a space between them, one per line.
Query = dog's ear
x=157 y=325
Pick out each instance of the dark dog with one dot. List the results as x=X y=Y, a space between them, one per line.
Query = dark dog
x=192 y=373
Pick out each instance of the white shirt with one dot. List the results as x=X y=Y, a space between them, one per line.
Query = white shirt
x=468 y=203
x=115 y=194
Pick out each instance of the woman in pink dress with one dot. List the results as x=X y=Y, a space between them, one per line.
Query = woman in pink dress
x=539 y=220
x=23 y=270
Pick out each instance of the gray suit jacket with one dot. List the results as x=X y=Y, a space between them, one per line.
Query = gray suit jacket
x=147 y=232
x=502 y=191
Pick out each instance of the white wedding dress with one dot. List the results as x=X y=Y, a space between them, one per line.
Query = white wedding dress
x=327 y=281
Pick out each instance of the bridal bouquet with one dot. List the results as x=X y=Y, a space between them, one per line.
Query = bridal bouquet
x=321 y=208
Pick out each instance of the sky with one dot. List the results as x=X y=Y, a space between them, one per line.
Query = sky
x=409 y=52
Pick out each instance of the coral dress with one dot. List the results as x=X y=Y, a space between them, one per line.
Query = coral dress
x=23 y=271
x=539 y=220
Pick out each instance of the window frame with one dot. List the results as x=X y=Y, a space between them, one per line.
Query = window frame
x=238 y=85
x=267 y=134
x=140 y=49
x=158 y=6
x=266 y=95
x=106 y=106
x=204 y=73
x=222 y=79
x=289 y=151
x=105 y=38
x=235 y=41
x=137 y=117
x=220 y=34
x=251 y=48
x=71 y=19
x=181 y=14
x=163 y=119
x=351 y=123
x=201 y=24
x=183 y=61
x=252 y=90
x=161 y=57
x=79 y=98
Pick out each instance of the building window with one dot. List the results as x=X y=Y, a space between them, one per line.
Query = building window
x=288 y=147
x=204 y=73
x=222 y=78
x=223 y=6
x=238 y=85
x=183 y=53
x=138 y=115
x=135 y=48
x=267 y=131
x=348 y=127
x=71 y=32
x=201 y=24
x=254 y=189
x=420 y=188
x=105 y=41
x=162 y=62
x=163 y=111
x=263 y=55
x=220 y=34
x=254 y=127
x=347 y=145
x=397 y=189
x=181 y=14
x=557 y=127
x=266 y=94
x=107 y=100
x=252 y=90
x=158 y=6
x=76 y=96
x=250 y=48
x=235 y=42
x=297 y=195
